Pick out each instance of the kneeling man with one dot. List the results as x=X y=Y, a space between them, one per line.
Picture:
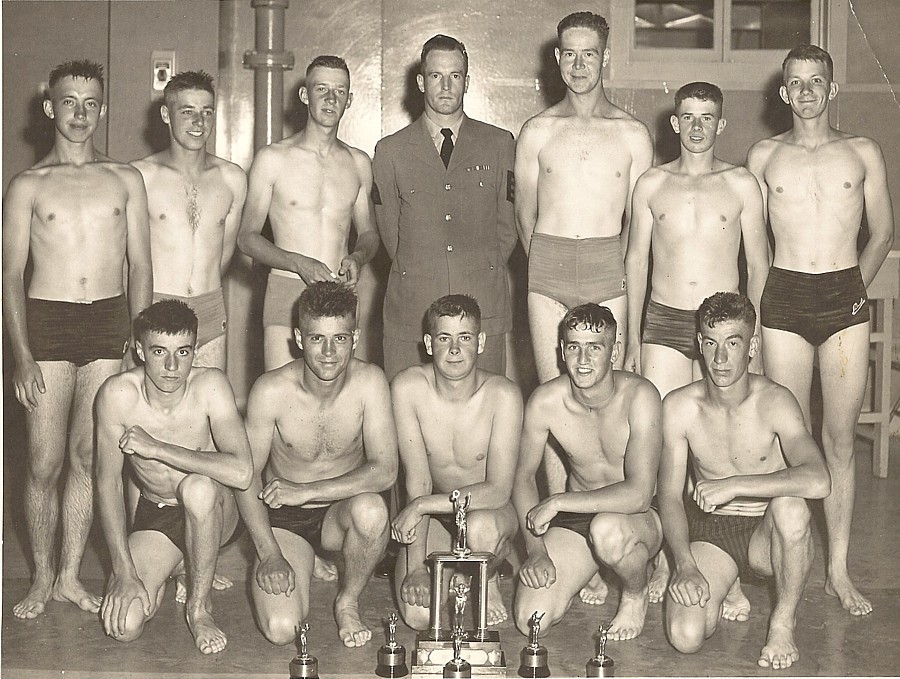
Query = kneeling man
x=187 y=446
x=753 y=466
x=608 y=424
x=324 y=447
x=459 y=428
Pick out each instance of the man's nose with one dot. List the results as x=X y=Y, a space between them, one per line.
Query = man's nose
x=171 y=362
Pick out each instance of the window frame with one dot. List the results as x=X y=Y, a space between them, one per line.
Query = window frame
x=732 y=69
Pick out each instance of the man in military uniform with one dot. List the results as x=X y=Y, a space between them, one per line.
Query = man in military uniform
x=444 y=207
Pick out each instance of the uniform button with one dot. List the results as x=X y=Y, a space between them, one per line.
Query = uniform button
x=446 y=187
x=449 y=248
x=447 y=218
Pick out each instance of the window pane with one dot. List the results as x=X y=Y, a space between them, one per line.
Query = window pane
x=686 y=25
x=769 y=24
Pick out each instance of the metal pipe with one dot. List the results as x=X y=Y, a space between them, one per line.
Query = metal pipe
x=268 y=60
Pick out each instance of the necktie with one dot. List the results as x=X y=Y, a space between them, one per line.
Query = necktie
x=447 y=146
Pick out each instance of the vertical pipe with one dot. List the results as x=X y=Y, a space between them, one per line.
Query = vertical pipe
x=268 y=60
x=437 y=577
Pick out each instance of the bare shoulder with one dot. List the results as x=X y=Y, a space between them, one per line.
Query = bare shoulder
x=770 y=395
x=654 y=178
x=150 y=162
x=273 y=387
x=762 y=150
x=411 y=382
x=209 y=380
x=25 y=183
x=540 y=126
x=498 y=387
x=548 y=397
x=120 y=392
x=679 y=402
x=367 y=376
x=739 y=178
x=867 y=149
x=638 y=389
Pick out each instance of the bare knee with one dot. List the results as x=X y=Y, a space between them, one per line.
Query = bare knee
x=43 y=471
x=791 y=518
x=610 y=539
x=416 y=617
x=368 y=515
x=686 y=634
x=483 y=532
x=280 y=629
x=134 y=623
x=198 y=494
x=526 y=606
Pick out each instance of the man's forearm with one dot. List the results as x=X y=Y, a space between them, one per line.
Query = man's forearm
x=264 y=251
x=14 y=317
x=366 y=247
x=222 y=466
x=255 y=516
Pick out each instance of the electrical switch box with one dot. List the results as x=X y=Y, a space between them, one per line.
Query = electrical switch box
x=162 y=68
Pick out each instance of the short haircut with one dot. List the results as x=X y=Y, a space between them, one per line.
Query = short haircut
x=594 y=22
x=168 y=316
x=189 y=80
x=462 y=306
x=327 y=299
x=328 y=61
x=79 y=68
x=702 y=91
x=809 y=53
x=591 y=317
x=727 y=306
x=442 y=43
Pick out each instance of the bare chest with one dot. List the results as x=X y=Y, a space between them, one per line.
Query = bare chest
x=179 y=206
x=318 y=184
x=79 y=207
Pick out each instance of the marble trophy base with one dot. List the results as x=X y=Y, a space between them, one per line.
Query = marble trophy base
x=484 y=654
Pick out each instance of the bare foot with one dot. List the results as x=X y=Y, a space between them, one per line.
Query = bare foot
x=850 y=597
x=594 y=593
x=220 y=583
x=629 y=620
x=350 y=626
x=33 y=604
x=656 y=591
x=207 y=635
x=736 y=605
x=496 y=611
x=779 y=653
x=74 y=592
x=324 y=570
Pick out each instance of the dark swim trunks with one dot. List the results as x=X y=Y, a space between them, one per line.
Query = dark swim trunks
x=814 y=305
x=303 y=521
x=169 y=520
x=673 y=328
x=575 y=522
x=729 y=533
x=77 y=333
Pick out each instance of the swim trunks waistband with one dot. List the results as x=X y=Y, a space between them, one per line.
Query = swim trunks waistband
x=210 y=310
x=574 y=271
x=75 y=332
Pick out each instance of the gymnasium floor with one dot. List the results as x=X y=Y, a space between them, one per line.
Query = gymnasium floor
x=67 y=643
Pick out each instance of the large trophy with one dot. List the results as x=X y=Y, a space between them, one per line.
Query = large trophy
x=454 y=648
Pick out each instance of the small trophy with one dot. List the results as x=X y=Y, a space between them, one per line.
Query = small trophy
x=392 y=656
x=304 y=666
x=534 y=656
x=601 y=665
x=457 y=667
x=460 y=509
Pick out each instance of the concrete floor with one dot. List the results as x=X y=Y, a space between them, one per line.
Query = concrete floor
x=67 y=642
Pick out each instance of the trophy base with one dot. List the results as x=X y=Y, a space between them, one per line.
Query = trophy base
x=484 y=655
x=601 y=667
x=304 y=668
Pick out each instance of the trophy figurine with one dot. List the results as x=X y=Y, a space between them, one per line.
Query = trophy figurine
x=601 y=665
x=457 y=667
x=460 y=509
x=304 y=666
x=461 y=594
x=534 y=655
x=392 y=656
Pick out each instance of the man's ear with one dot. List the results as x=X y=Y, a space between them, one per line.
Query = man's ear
x=164 y=114
x=304 y=95
x=556 y=54
x=754 y=346
x=614 y=354
x=673 y=121
x=47 y=105
x=482 y=340
x=298 y=338
x=832 y=93
x=139 y=350
x=721 y=126
x=606 y=57
x=782 y=92
x=427 y=339
x=420 y=81
x=355 y=338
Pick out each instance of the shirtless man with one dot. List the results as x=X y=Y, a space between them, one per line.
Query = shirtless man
x=608 y=424
x=80 y=216
x=576 y=166
x=817 y=181
x=459 y=429
x=324 y=446
x=693 y=212
x=195 y=201
x=187 y=446
x=753 y=462
x=311 y=186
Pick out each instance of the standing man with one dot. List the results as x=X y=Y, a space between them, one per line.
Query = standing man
x=753 y=463
x=444 y=206
x=607 y=423
x=312 y=186
x=324 y=446
x=195 y=201
x=459 y=429
x=81 y=218
x=817 y=181
x=186 y=444
x=693 y=212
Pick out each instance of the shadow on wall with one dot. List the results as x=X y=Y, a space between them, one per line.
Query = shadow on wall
x=413 y=100
x=156 y=134
x=38 y=133
x=295 y=113
x=553 y=88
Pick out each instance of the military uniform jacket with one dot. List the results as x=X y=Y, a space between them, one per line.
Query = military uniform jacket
x=447 y=230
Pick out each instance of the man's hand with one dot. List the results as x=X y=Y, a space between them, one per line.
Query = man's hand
x=278 y=492
x=312 y=270
x=416 y=588
x=688 y=587
x=403 y=528
x=633 y=358
x=539 y=517
x=29 y=382
x=274 y=575
x=712 y=493
x=135 y=441
x=538 y=571
x=349 y=270
x=120 y=594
